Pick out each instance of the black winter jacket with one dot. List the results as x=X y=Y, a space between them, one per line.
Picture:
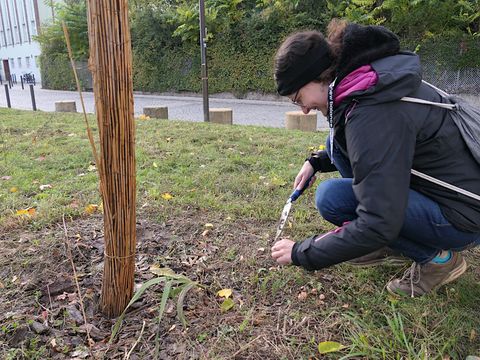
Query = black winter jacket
x=384 y=138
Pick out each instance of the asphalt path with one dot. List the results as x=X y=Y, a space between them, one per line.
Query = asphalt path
x=188 y=108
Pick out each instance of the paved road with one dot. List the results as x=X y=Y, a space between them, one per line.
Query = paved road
x=245 y=112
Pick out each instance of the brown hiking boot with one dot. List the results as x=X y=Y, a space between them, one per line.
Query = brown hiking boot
x=384 y=255
x=421 y=279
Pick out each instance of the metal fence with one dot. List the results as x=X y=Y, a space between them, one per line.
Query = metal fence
x=451 y=64
x=462 y=81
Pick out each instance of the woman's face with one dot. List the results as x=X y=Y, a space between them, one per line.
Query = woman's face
x=312 y=96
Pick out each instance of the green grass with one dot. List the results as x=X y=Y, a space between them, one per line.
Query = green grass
x=237 y=178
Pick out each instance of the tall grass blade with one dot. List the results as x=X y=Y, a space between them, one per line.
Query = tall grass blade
x=135 y=297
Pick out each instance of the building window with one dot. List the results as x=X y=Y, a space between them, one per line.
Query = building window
x=12 y=63
x=27 y=60
x=19 y=61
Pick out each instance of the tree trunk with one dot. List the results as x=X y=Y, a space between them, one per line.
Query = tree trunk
x=111 y=66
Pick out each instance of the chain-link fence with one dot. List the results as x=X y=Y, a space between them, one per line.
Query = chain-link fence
x=452 y=65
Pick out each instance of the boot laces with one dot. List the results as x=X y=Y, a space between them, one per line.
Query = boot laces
x=412 y=274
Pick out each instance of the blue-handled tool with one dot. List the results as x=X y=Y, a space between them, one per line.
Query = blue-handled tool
x=286 y=209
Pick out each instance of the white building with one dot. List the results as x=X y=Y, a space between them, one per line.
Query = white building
x=20 y=21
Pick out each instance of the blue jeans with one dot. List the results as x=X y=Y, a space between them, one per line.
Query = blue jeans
x=425 y=230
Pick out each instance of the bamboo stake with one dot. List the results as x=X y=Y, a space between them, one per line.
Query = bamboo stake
x=111 y=66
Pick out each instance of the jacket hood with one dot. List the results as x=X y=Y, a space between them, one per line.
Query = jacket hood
x=398 y=76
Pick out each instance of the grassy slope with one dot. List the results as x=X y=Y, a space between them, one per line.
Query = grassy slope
x=237 y=177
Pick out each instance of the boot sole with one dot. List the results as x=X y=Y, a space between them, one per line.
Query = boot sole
x=455 y=274
x=394 y=261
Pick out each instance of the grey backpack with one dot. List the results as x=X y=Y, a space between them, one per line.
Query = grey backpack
x=467 y=119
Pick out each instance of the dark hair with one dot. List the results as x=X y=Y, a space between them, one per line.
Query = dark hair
x=298 y=45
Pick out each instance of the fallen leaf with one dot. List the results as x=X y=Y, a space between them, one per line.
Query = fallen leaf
x=322 y=297
x=71 y=135
x=326 y=347
x=43 y=187
x=1 y=285
x=226 y=305
x=6 y=177
x=225 y=293
x=345 y=306
x=262 y=249
x=91 y=208
x=92 y=168
x=81 y=174
x=28 y=212
x=208 y=226
x=473 y=335
x=157 y=270
x=155 y=165
x=13 y=189
x=15 y=278
x=206 y=232
x=166 y=196
x=321 y=147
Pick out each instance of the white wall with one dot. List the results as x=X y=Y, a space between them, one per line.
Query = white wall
x=22 y=55
x=28 y=54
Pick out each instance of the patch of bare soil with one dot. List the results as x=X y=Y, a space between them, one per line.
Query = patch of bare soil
x=41 y=313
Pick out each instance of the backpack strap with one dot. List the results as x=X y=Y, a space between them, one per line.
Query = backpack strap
x=425 y=176
x=445 y=184
x=426 y=102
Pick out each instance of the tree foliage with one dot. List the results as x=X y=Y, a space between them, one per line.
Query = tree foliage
x=242 y=35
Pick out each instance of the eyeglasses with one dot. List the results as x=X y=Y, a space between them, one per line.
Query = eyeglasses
x=295 y=101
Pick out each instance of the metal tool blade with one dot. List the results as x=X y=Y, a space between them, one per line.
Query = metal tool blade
x=283 y=218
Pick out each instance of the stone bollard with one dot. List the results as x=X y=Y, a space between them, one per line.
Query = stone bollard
x=156 y=112
x=297 y=120
x=221 y=116
x=65 y=106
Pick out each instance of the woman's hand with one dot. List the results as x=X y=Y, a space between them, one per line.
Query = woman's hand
x=282 y=251
x=305 y=172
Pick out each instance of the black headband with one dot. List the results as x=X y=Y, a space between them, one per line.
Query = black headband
x=309 y=67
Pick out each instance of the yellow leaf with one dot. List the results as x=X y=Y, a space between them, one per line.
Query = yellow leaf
x=321 y=147
x=155 y=165
x=143 y=117
x=166 y=196
x=28 y=212
x=329 y=347
x=208 y=226
x=13 y=189
x=225 y=293
x=92 y=168
x=91 y=208
x=226 y=305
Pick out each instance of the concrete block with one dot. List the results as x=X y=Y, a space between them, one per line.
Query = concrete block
x=156 y=112
x=65 y=106
x=221 y=116
x=297 y=120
